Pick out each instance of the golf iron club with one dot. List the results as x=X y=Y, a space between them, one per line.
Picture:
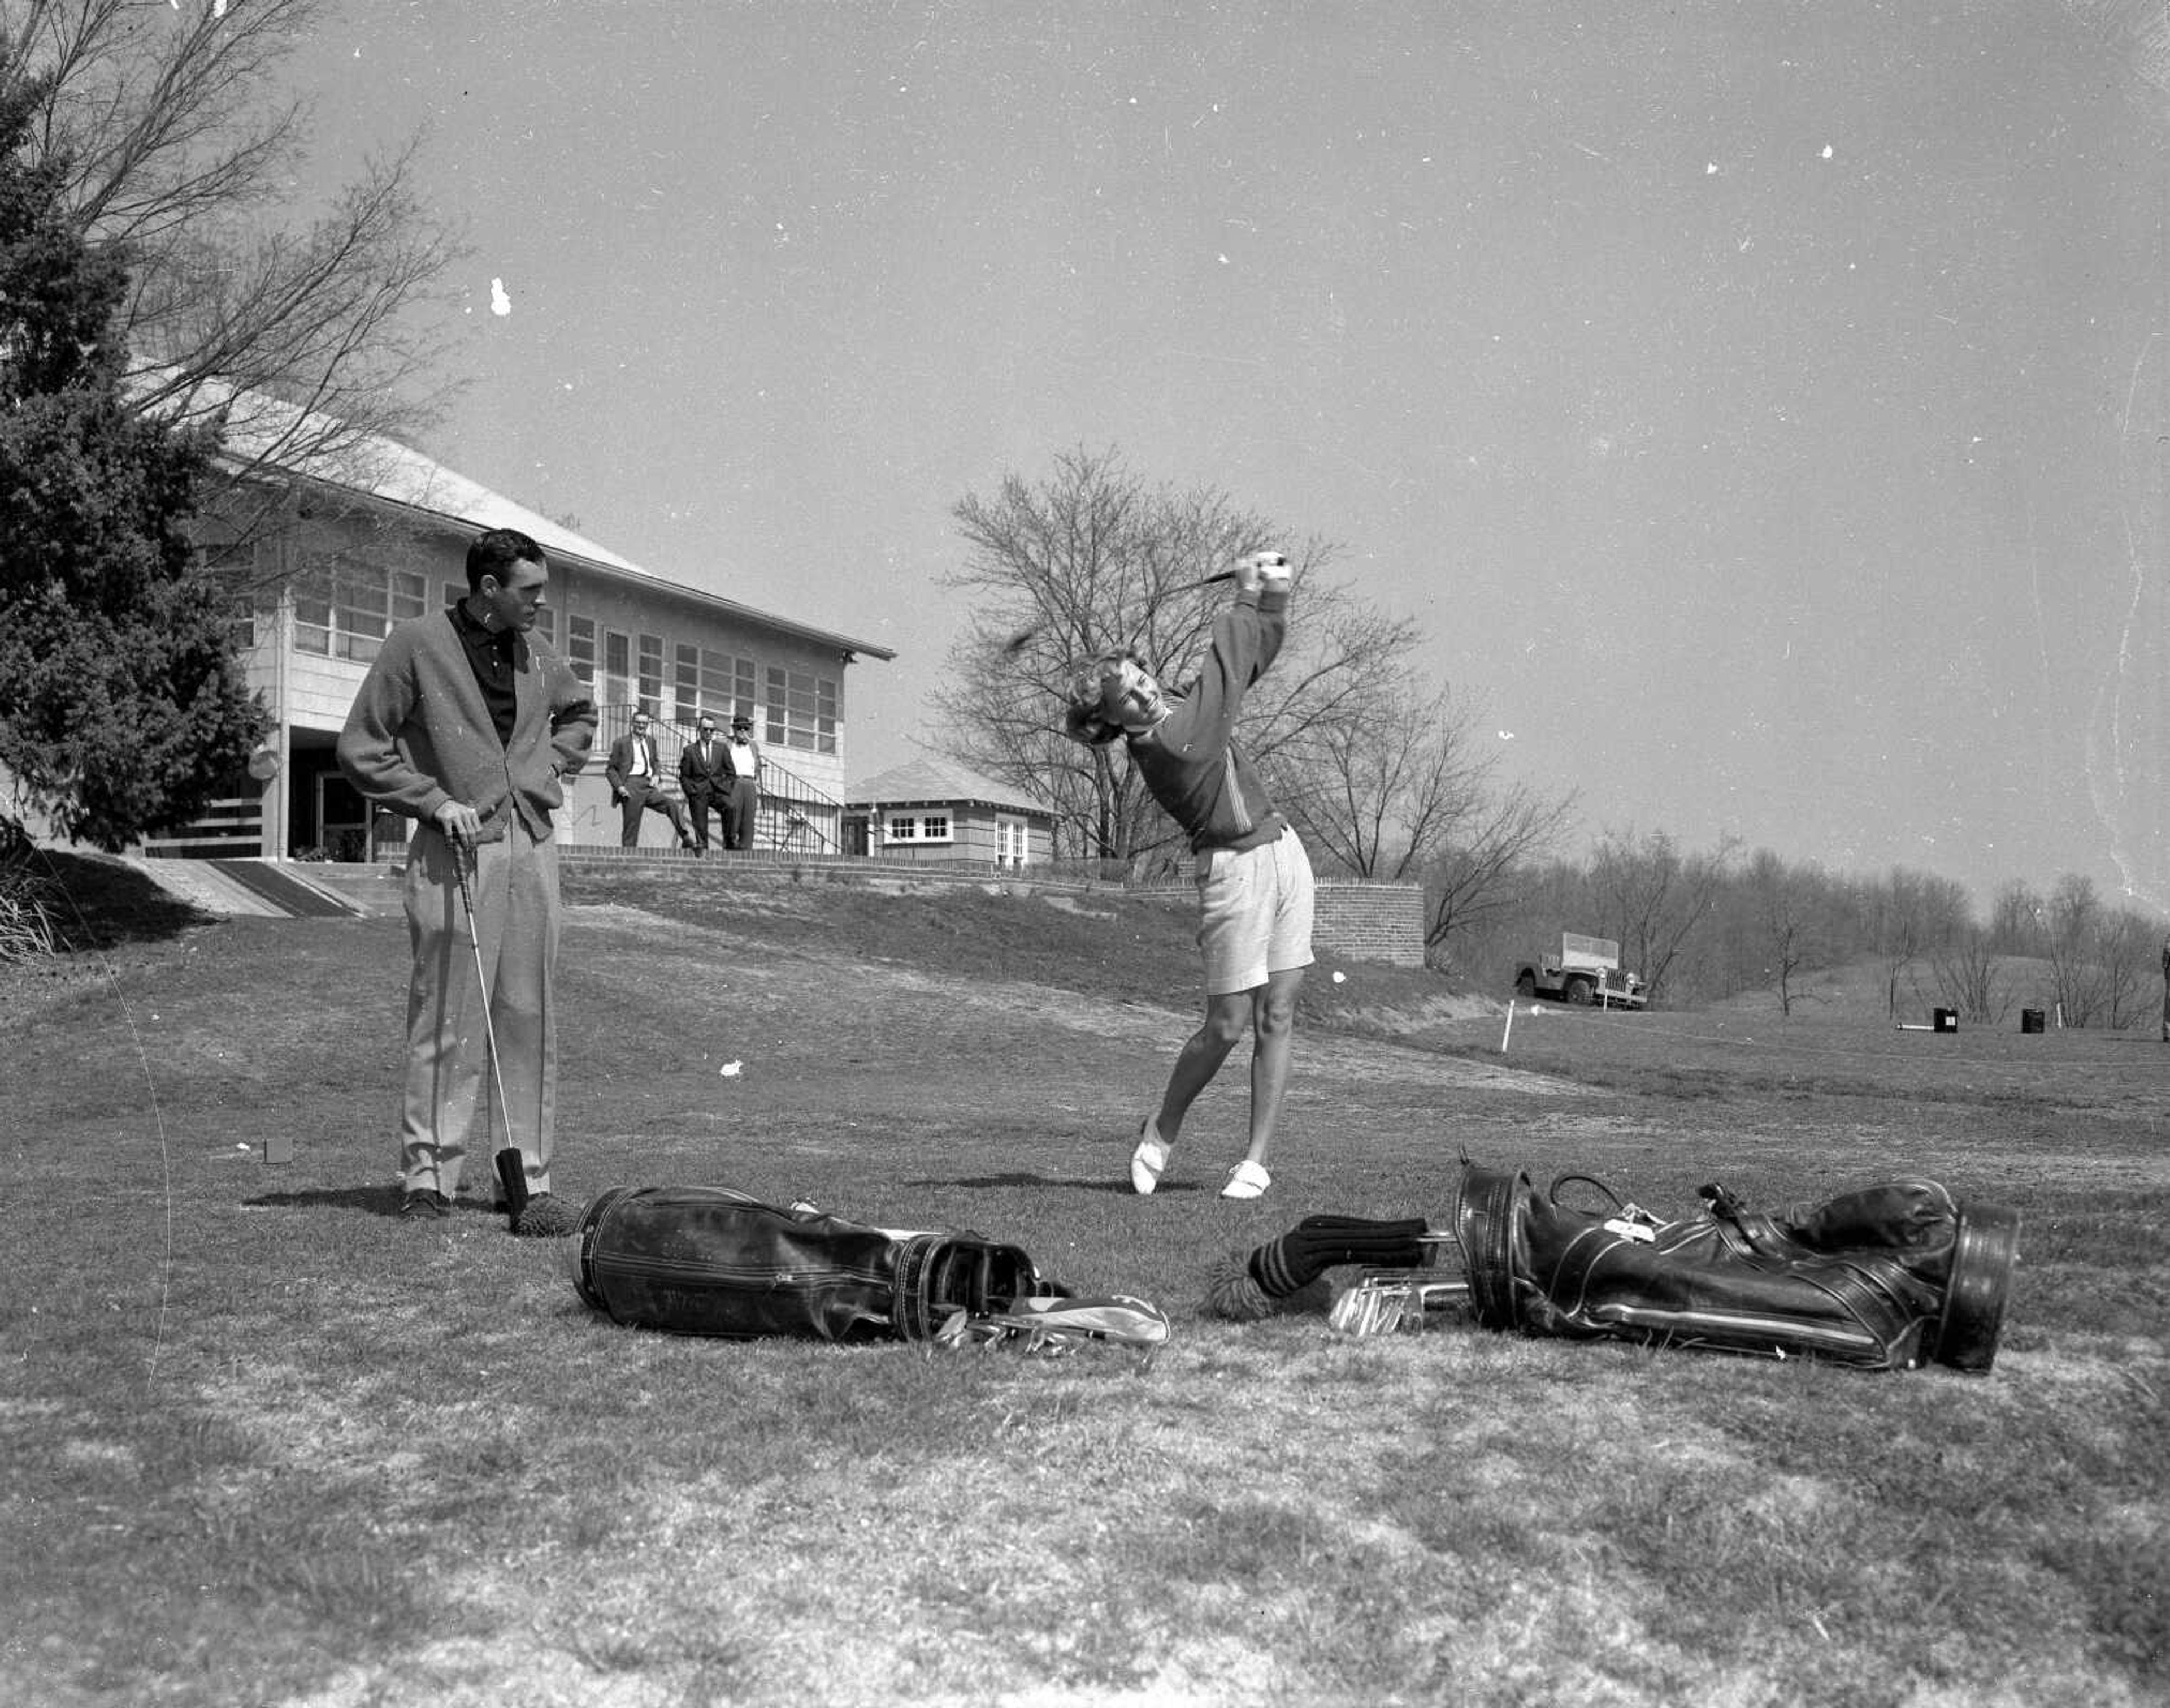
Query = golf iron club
x=511 y=1166
x=1023 y=638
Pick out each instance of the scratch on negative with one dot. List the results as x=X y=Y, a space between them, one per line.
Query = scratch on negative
x=2112 y=691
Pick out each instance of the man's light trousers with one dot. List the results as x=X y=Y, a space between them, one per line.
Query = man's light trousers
x=515 y=884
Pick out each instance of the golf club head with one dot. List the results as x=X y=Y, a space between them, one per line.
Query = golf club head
x=512 y=1175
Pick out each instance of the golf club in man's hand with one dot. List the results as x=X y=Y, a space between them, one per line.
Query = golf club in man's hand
x=511 y=1166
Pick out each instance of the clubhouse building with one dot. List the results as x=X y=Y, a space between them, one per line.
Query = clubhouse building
x=327 y=555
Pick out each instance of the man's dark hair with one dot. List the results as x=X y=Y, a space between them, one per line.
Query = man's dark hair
x=495 y=553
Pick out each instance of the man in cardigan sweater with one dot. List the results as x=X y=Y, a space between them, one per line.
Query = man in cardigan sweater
x=1254 y=880
x=466 y=725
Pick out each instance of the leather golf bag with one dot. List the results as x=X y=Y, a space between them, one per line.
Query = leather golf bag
x=709 y=1260
x=1888 y=1277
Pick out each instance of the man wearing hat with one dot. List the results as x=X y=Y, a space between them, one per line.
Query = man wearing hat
x=743 y=761
x=704 y=777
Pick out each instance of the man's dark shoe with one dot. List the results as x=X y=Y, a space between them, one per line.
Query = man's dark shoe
x=547 y=1217
x=425 y=1205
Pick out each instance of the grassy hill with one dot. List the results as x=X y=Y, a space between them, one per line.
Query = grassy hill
x=269 y=1443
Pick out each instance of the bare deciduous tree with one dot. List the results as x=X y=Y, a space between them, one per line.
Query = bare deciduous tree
x=1397 y=784
x=1377 y=788
x=2015 y=918
x=1469 y=882
x=1095 y=560
x=1783 y=916
x=2101 y=963
x=1898 y=939
x=2125 y=954
x=1912 y=915
x=1970 y=976
x=1654 y=896
x=2069 y=921
x=174 y=146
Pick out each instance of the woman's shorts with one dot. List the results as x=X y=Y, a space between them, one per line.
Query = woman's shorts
x=1254 y=912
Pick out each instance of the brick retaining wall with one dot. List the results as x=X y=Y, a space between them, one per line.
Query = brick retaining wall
x=1371 y=922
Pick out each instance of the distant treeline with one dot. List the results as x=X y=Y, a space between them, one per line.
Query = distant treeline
x=1703 y=925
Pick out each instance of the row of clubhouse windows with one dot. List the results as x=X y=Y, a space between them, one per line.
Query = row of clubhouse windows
x=342 y=612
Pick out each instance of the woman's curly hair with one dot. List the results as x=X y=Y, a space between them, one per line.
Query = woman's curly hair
x=1085 y=718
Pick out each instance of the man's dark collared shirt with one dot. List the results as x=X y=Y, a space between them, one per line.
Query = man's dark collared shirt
x=494 y=656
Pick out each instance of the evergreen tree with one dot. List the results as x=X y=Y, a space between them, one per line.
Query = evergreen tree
x=122 y=709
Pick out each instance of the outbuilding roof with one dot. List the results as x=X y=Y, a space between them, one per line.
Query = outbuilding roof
x=940 y=781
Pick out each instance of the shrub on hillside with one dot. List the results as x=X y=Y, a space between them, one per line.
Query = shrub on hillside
x=26 y=919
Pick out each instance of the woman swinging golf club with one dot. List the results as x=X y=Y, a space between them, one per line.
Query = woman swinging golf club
x=1255 y=882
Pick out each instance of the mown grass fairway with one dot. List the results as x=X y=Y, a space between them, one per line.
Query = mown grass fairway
x=267 y=1444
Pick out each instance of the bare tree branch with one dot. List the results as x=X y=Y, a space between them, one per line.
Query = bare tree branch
x=1093 y=560
x=1380 y=781
x=1656 y=897
x=1467 y=883
x=175 y=147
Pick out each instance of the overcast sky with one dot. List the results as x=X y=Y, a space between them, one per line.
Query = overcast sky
x=1760 y=407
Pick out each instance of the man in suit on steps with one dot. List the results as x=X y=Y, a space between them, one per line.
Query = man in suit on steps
x=705 y=776
x=637 y=785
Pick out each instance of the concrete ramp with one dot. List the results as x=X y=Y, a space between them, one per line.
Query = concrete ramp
x=285 y=893
x=259 y=888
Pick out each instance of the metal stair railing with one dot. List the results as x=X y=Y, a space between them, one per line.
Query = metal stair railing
x=797 y=816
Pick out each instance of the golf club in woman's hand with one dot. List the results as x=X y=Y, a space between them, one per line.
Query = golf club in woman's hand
x=1025 y=636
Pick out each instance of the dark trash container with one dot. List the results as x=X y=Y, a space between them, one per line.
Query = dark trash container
x=1947 y=1020
x=2030 y=1020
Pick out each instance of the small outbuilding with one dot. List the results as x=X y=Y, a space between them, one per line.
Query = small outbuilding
x=936 y=809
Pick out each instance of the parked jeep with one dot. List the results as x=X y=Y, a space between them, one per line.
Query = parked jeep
x=1585 y=972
